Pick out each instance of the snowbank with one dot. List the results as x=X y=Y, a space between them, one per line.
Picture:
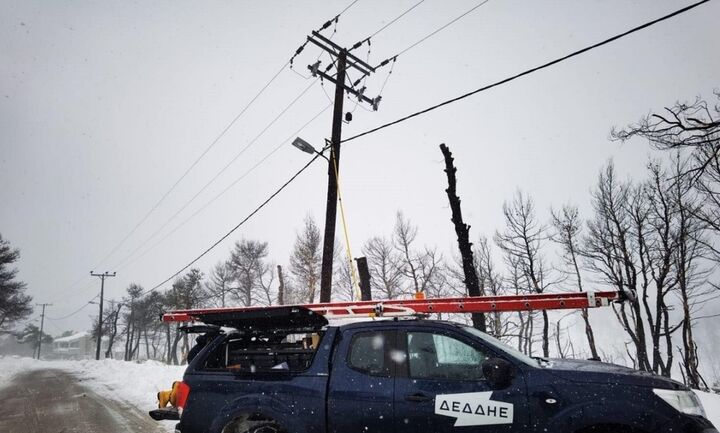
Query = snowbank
x=129 y=383
x=10 y=366
x=133 y=383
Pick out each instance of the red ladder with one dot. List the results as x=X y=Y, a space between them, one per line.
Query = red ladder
x=406 y=307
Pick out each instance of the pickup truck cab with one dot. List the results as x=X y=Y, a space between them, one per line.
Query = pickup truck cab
x=285 y=369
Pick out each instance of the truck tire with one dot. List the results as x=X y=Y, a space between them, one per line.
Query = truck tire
x=246 y=426
x=609 y=428
x=262 y=427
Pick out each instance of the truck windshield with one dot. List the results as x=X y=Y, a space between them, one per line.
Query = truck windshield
x=499 y=345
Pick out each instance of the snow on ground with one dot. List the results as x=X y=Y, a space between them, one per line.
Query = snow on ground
x=130 y=383
x=10 y=366
x=137 y=384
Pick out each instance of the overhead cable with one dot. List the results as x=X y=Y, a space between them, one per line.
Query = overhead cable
x=224 y=191
x=184 y=174
x=226 y=235
x=391 y=22
x=528 y=72
x=194 y=163
x=217 y=175
x=76 y=311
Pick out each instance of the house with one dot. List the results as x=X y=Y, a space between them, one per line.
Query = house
x=77 y=346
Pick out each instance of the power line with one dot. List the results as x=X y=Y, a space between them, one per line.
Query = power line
x=327 y=24
x=186 y=172
x=195 y=162
x=436 y=31
x=217 y=175
x=529 y=71
x=212 y=144
x=76 y=311
x=65 y=297
x=202 y=155
x=250 y=215
x=393 y=21
x=346 y=8
x=224 y=191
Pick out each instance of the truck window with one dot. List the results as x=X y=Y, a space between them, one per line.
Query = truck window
x=369 y=353
x=437 y=356
x=274 y=353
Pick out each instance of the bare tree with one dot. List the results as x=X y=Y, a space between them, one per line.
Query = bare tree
x=693 y=126
x=657 y=244
x=611 y=252
x=522 y=329
x=343 y=287
x=568 y=226
x=248 y=268
x=112 y=318
x=384 y=264
x=522 y=239
x=491 y=284
x=416 y=265
x=690 y=246
x=266 y=280
x=219 y=284
x=306 y=259
x=404 y=234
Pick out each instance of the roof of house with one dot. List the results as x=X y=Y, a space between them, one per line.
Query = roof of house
x=74 y=337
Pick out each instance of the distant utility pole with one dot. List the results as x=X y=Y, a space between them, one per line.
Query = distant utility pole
x=343 y=60
x=42 y=326
x=100 y=318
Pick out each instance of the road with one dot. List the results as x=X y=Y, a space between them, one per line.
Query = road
x=54 y=401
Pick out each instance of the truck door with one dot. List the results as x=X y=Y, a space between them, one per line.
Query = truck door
x=440 y=387
x=360 y=394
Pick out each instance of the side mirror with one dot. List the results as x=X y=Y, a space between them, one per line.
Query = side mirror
x=498 y=372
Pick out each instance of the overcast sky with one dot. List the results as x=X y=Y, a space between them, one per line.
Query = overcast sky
x=104 y=105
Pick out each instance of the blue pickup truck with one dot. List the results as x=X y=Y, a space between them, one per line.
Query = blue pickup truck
x=285 y=369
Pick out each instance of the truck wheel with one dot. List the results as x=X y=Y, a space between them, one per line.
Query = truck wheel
x=609 y=428
x=246 y=426
x=262 y=427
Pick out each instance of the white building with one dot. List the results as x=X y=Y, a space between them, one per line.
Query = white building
x=77 y=346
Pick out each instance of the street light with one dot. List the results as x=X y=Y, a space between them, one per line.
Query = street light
x=330 y=215
x=304 y=146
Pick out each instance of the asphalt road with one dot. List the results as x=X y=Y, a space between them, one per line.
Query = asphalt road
x=54 y=401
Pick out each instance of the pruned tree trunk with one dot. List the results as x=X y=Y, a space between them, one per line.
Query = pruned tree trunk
x=463 y=234
x=281 y=287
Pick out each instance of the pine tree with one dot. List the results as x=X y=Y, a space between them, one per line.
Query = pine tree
x=14 y=303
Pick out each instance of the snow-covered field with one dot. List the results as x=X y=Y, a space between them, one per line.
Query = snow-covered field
x=138 y=383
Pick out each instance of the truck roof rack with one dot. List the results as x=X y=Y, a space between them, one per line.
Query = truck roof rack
x=313 y=315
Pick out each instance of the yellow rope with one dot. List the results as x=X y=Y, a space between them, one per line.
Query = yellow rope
x=356 y=286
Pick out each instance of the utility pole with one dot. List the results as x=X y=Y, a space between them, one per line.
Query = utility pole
x=100 y=318
x=343 y=60
x=42 y=326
